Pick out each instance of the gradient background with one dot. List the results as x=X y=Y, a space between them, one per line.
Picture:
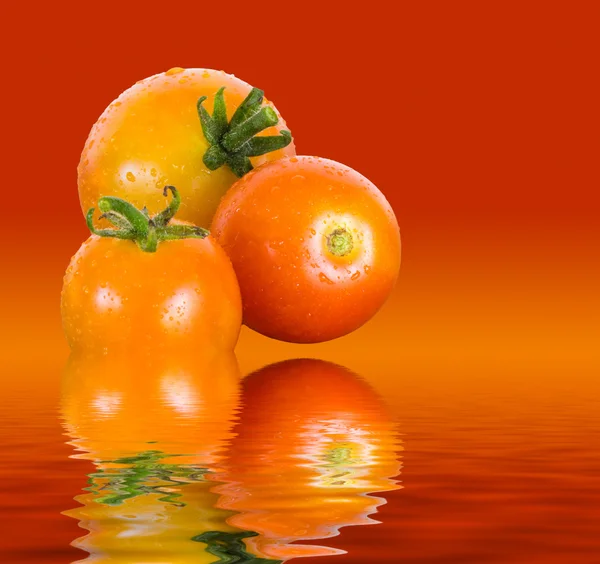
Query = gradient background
x=480 y=122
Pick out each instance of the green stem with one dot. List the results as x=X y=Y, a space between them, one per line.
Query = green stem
x=214 y=158
x=261 y=145
x=241 y=134
x=233 y=143
x=138 y=221
x=137 y=225
x=161 y=219
x=117 y=233
x=248 y=107
x=339 y=242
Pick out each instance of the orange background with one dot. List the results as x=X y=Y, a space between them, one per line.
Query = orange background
x=480 y=121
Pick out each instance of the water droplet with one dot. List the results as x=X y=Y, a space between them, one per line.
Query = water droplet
x=367 y=269
x=313 y=232
x=130 y=176
x=174 y=70
x=355 y=275
x=323 y=278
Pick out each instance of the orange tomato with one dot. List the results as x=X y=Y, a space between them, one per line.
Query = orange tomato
x=312 y=441
x=156 y=427
x=151 y=136
x=315 y=246
x=181 y=292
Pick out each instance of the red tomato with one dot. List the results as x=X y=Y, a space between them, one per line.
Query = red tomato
x=315 y=246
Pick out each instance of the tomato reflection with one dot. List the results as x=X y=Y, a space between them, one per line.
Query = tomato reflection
x=312 y=440
x=155 y=429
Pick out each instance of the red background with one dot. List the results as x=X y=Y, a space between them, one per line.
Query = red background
x=478 y=120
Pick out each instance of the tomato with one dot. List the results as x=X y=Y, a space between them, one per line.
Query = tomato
x=312 y=441
x=152 y=283
x=315 y=246
x=155 y=427
x=151 y=136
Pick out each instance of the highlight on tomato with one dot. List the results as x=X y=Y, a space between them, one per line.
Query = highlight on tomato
x=312 y=441
x=315 y=246
x=150 y=282
x=197 y=129
x=156 y=428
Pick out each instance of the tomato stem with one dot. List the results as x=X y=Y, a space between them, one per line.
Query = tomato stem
x=234 y=139
x=233 y=143
x=339 y=242
x=138 y=226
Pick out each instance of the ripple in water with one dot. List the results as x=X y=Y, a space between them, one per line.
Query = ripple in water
x=193 y=466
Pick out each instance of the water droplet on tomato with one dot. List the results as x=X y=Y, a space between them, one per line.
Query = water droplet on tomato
x=130 y=176
x=367 y=269
x=174 y=70
x=323 y=278
x=355 y=275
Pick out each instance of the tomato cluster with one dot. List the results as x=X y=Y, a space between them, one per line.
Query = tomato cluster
x=302 y=249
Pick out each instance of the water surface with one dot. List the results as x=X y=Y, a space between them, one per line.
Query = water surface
x=159 y=460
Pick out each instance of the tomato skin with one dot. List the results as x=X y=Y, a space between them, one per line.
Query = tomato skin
x=184 y=294
x=151 y=136
x=275 y=223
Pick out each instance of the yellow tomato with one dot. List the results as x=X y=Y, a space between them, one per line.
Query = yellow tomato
x=151 y=136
